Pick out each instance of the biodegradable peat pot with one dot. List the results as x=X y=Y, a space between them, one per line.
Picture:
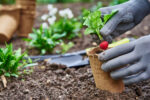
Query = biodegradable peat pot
x=26 y=25
x=9 y=21
x=102 y=79
x=27 y=18
x=26 y=2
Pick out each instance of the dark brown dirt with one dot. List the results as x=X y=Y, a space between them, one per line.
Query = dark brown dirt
x=60 y=83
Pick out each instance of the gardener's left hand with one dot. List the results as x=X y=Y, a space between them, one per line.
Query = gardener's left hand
x=135 y=54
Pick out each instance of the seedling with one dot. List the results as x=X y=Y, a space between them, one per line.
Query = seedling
x=10 y=61
x=95 y=23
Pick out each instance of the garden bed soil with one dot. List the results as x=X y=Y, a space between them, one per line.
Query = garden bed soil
x=55 y=82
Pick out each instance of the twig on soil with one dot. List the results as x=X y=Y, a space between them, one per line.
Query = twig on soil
x=4 y=81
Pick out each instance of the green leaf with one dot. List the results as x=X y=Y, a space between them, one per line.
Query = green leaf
x=1 y=63
x=14 y=75
x=109 y=16
x=66 y=47
x=26 y=39
x=10 y=61
x=58 y=36
x=33 y=36
x=30 y=65
x=97 y=7
x=7 y=74
x=18 y=53
x=94 y=22
x=43 y=51
x=88 y=31
x=87 y=22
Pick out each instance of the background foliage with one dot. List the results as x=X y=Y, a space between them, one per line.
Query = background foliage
x=113 y=2
x=46 y=1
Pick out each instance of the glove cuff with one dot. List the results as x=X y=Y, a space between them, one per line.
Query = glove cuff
x=148 y=3
x=144 y=3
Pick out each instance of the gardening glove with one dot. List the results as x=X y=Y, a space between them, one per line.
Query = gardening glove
x=135 y=54
x=129 y=15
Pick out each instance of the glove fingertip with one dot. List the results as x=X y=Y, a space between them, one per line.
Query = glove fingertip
x=104 y=68
x=126 y=82
x=114 y=75
x=101 y=57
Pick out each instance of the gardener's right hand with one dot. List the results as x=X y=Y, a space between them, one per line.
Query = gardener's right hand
x=136 y=55
x=129 y=15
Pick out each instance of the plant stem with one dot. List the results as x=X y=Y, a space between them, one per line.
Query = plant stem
x=98 y=33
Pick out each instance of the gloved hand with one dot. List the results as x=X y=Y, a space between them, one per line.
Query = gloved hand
x=130 y=14
x=136 y=54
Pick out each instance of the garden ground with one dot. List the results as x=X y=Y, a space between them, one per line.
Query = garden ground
x=56 y=82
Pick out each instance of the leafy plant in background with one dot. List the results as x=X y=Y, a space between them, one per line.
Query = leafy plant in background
x=95 y=23
x=7 y=1
x=116 y=2
x=46 y=1
x=62 y=1
x=69 y=27
x=65 y=1
x=65 y=23
x=97 y=7
x=52 y=32
x=10 y=61
x=44 y=39
x=66 y=47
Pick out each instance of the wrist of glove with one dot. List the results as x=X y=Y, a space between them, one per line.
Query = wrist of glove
x=135 y=54
x=129 y=15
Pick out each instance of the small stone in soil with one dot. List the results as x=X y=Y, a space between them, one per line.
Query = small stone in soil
x=59 y=71
x=26 y=91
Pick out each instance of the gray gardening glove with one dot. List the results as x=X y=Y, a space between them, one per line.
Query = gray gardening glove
x=135 y=54
x=130 y=14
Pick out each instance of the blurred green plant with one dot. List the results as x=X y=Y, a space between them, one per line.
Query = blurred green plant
x=116 y=2
x=11 y=61
x=46 y=39
x=69 y=27
x=66 y=1
x=97 y=7
x=46 y=1
x=66 y=47
x=7 y=1
x=62 y=1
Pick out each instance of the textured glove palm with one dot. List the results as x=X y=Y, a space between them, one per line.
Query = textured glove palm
x=136 y=53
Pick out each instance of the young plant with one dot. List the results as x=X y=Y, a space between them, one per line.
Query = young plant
x=95 y=23
x=10 y=61
x=44 y=39
x=66 y=47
